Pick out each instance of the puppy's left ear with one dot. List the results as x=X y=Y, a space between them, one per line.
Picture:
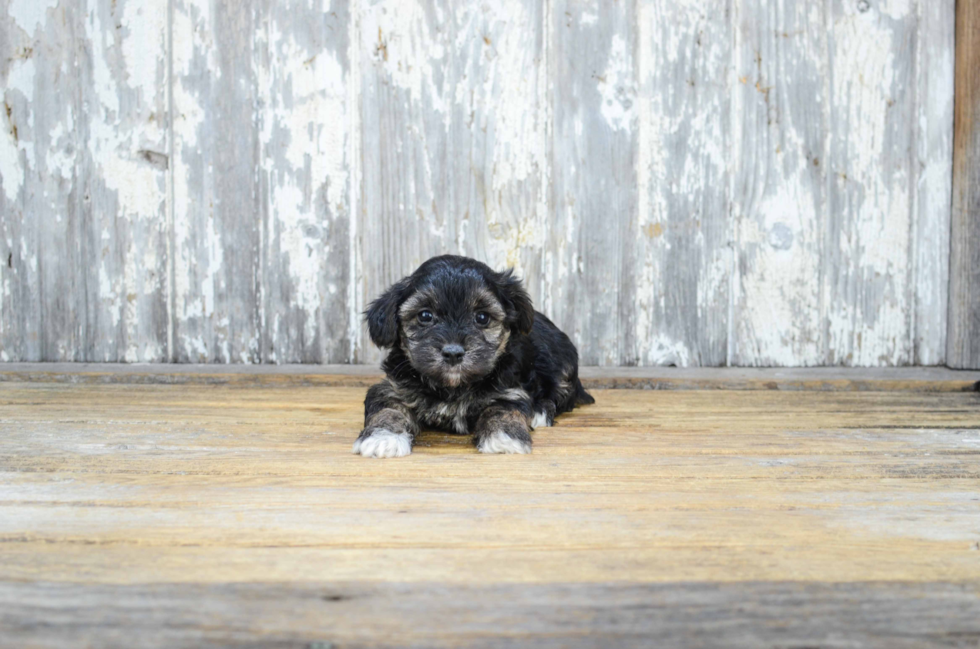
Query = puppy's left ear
x=516 y=301
x=382 y=314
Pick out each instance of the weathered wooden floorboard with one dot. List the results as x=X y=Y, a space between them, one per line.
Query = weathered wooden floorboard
x=162 y=515
x=892 y=379
x=141 y=484
x=358 y=614
x=964 y=288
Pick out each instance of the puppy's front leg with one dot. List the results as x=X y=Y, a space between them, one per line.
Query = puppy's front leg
x=390 y=426
x=503 y=428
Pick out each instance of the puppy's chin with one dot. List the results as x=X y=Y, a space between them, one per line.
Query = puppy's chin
x=454 y=376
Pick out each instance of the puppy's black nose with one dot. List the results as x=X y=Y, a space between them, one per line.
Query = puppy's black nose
x=453 y=353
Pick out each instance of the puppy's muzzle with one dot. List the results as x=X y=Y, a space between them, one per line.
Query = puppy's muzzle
x=453 y=353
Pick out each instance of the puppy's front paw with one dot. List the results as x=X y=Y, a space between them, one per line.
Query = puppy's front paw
x=381 y=442
x=500 y=442
x=541 y=420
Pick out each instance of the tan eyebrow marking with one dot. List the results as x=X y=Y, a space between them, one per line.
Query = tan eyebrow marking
x=414 y=302
x=484 y=299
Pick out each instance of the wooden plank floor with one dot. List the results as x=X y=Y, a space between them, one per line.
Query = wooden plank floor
x=236 y=515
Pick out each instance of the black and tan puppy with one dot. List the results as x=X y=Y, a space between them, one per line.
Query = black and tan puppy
x=468 y=355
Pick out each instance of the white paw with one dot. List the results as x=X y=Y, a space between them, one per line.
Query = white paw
x=501 y=442
x=540 y=420
x=384 y=443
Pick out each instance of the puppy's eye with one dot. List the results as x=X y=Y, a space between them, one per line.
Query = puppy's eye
x=425 y=317
x=482 y=318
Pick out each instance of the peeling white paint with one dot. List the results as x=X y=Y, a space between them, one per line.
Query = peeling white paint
x=617 y=87
x=14 y=138
x=30 y=14
x=21 y=77
x=933 y=188
x=60 y=158
x=866 y=51
x=145 y=25
x=895 y=9
x=469 y=103
x=195 y=279
x=113 y=141
x=124 y=122
x=778 y=199
x=305 y=97
x=775 y=296
x=682 y=277
x=11 y=168
x=407 y=48
x=505 y=67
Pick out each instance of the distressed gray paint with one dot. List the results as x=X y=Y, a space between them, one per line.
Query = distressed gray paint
x=592 y=234
x=746 y=182
x=261 y=181
x=779 y=195
x=217 y=211
x=452 y=138
x=305 y=180
x=84 y=87
x=932 y=181
x=683 y=251
x=869 y=227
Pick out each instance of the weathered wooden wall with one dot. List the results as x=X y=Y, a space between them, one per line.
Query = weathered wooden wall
x=964 y=299
x=690 y=182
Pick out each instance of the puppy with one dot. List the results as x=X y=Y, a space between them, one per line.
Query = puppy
x=468 y=355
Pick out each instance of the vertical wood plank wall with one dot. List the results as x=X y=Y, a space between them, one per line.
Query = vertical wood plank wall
x=689 y=182
x=964 y=311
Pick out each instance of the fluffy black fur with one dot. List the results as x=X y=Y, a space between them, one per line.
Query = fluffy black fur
x=506 y=370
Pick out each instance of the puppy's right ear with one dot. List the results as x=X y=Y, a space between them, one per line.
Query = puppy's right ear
x=382 y=314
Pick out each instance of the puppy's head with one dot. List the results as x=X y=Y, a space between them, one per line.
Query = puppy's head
x=453 y=318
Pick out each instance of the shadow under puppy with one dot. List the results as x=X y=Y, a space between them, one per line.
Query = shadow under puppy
x=468 y=355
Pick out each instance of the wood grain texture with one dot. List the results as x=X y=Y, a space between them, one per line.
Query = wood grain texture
x=888 y=615
x=224 y=483
x=932 y=188
x=778 y=192
x=592 y=238
x=37 y=170
x=452 y=140
x=877 y=379
x=683 y=254
x=739 y=182
x=964 y=299
x=228 y=514
x=304 y=115
x=122 y=169
x=85 y=181
x=840 y=212
x=869 y=283
x=218 y=208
